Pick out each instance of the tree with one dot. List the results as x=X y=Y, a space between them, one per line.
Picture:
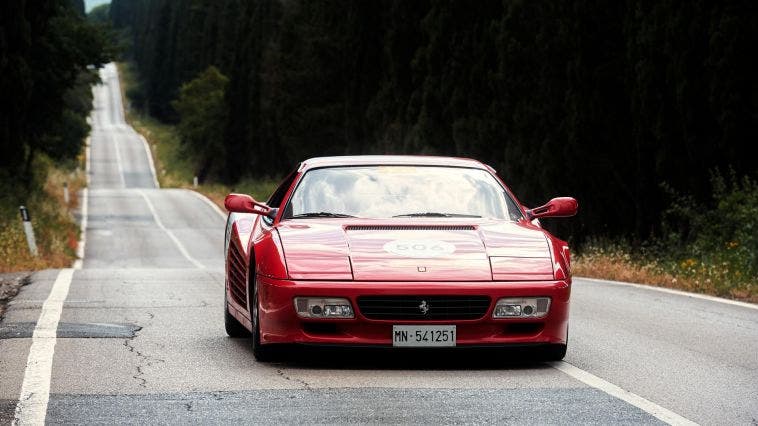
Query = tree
x=202 y=115
x=100 y=14
x=46 y=49
x=601 y=100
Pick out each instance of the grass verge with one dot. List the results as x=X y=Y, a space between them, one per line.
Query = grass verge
x=56 y=231
x=618 y=262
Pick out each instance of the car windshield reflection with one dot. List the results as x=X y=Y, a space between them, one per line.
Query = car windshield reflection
x=400 y=191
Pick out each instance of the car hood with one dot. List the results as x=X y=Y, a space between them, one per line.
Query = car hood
x=485 y=251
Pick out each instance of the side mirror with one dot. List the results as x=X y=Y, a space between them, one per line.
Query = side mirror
x=243 y=203
x=557 y=207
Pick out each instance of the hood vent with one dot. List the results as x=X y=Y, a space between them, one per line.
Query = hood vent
x=410 y=228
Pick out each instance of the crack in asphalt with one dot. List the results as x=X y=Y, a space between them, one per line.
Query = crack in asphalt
x=144 y=360
x=306 y=385
x=140 y=373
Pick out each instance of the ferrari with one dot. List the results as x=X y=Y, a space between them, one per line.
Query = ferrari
x=397 y=252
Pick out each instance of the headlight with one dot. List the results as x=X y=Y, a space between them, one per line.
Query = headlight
x=521 y=307
x=317 y=307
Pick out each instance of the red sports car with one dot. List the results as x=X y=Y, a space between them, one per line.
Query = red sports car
x=403 y=251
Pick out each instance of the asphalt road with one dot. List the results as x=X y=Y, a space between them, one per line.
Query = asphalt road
x=138 y=337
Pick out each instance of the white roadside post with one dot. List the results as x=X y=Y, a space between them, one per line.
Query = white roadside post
x=65 y=193
x=27 y=220
x=194 y=181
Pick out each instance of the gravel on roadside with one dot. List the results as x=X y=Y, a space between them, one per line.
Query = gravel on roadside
x=10 y=283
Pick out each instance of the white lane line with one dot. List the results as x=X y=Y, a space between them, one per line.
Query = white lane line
x=35 y=390
x=650 y=407
x=78 y=263
x=208 y=201
x=677 y=292
x=114 y=118
x=119 y=165
x=170 y=234
x=87 y=163
x=149 y=159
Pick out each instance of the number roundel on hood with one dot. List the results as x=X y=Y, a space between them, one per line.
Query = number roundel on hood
x=419 y=248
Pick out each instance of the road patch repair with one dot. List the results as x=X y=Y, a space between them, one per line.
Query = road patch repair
x=25 y=330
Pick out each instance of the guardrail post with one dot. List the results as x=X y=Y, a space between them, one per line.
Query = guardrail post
x=28 y=230
x=194 y=181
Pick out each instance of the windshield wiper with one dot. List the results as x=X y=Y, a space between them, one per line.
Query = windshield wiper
x=320 y=214
x=435 y=214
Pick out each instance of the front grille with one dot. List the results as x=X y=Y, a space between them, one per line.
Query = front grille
x=412 y=307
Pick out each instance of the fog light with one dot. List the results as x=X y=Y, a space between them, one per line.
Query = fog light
x=342 y=311
x=316 y=307
x=507 y=311
x=527 y=307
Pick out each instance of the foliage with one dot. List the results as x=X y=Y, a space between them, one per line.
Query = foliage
x=100 y=14
x=47 y=47
x=600 y=100
x=175 y=169
x=706 y=247
x=48 y=56
x=56 y=232
x=202 y=115
x=718 y=240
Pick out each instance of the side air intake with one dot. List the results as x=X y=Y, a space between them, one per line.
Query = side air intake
x=236 y=276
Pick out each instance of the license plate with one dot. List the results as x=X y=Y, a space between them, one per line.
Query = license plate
x=423 y=335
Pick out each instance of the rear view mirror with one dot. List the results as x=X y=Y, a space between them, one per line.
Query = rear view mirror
x=243 y=203
x=557 y=207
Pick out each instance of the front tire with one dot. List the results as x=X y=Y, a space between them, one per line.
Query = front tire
x=262 y=353
x=554 y=352
x=233 y=327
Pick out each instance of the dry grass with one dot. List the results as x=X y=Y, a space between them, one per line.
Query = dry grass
x=56 y=231
x=616 y=263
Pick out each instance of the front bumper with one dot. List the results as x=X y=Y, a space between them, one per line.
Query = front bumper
x=279 y=323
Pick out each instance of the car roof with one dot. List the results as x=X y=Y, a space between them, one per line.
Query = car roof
x=372 y=160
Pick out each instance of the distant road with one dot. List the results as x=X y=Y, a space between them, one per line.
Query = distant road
x=135 y=335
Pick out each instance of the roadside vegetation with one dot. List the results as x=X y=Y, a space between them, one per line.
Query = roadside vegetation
x=176 y=163
x=709 y=248
x=626 y=107
x=48 y=65
x=56 y=231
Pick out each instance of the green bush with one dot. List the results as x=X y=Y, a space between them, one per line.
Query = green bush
x=717 y=243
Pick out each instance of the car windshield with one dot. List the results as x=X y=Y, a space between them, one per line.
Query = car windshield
x=400 y=191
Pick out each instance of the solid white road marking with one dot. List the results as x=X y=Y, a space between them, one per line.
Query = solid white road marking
x=650 y=407
x=35 y=390
x=677 y=292
x=87 y=164
x=78 y=263
x=118 y=163
x=208 y=201
x=170 y=234
x=149 y=160
x=83 y=231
